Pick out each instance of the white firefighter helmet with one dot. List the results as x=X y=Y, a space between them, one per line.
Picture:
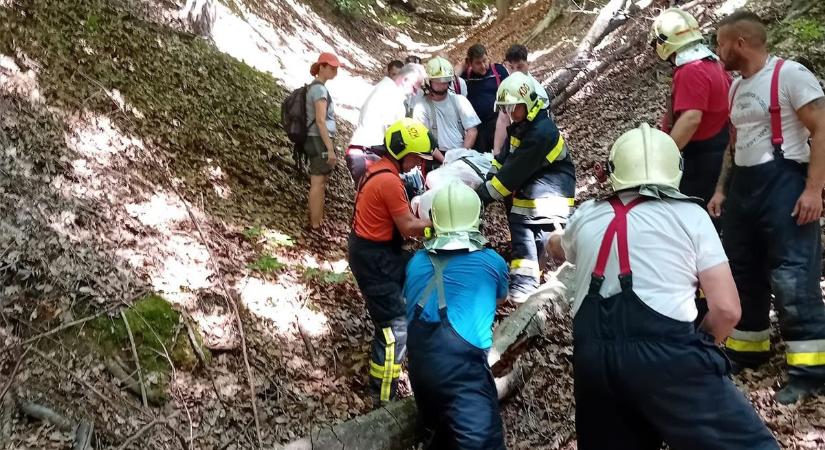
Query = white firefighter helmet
x=519 y=88
x=672 y=30
x=439 y=69
x=456 y=214
x=645 y=156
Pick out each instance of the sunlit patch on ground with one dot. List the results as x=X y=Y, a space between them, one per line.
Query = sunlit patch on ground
x=281 y=303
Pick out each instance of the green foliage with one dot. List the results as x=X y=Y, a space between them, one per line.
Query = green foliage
x=157 y=329
x=807 y=30
x=326 y=276
x=253 y=233
x=266 y=264
x=354 y=9
x=189 y=102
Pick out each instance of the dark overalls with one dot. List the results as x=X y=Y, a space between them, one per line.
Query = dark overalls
x=379 y=269
x=702 y=166
x=769 y=252
x=453 y=385
x=642 y=378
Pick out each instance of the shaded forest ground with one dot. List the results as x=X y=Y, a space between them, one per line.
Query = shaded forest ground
x=138 y=158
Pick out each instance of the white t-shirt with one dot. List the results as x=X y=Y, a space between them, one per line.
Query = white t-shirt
x=448 y=112
x=462 y=86
x=383 y=107
x=670 y=243
x=750 y=115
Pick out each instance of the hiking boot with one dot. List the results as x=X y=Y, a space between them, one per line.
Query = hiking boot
x=799 y=388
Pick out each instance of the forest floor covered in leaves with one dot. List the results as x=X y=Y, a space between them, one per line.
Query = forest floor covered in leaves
x=136 y=158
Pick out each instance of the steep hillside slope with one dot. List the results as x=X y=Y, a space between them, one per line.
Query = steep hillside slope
x=137 y=158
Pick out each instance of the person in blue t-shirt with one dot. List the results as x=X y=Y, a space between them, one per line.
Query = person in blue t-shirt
x=483 y=79
x=452 y=289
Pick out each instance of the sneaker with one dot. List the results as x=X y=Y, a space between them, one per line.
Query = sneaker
x=799 y=388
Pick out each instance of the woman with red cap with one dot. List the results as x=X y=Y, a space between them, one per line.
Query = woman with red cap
x=320 y=146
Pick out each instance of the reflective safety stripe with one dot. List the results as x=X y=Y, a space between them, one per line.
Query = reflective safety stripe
x=377 y=370
x=752 y=336
x=500 y=188
x=389 y=361
x=556 y=151
x=515 y=142
x=748 y=346
x=496 y=164
x=525 y=267
x=806 y=359
x=546 y=207
x=806 y=353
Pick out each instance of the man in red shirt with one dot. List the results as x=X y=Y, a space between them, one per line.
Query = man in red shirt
x=381 y=222
x=697 y=118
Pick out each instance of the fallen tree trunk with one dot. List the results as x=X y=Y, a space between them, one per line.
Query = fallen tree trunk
x=609 y=19
x=394 y=427
x=592 y=72
x=554 y=13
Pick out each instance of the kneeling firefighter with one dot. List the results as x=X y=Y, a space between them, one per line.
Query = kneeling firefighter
x=381 y=222
x=451 y=290
x=536 y=178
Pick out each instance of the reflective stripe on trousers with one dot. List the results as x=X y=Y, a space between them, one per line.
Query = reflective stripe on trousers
x=770 y=253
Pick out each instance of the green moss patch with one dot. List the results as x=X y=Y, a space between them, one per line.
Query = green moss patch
x=160 y=336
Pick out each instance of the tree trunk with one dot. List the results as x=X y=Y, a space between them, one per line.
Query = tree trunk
x=200 y=15
x=554 y=13
x=394 y=427
x=608 y=19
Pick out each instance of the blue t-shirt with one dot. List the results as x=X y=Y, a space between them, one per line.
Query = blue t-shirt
x=481 y=91
x=472 y=283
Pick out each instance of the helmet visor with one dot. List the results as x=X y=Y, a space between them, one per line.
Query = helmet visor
x=508 y=109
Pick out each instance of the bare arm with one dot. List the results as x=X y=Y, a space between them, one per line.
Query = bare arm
x=715 y=203
x=411 y=226
x=685 y=127
x=724 y=310
x=809 y=206
x=502 y=123
x=320 y=120
x=470 y=137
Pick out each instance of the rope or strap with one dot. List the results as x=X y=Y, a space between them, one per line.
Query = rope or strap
x=617 y=227
x=437 y=282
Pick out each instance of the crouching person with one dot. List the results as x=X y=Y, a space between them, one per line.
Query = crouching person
x=451 y=290
x=382 y=220
x=642 y=373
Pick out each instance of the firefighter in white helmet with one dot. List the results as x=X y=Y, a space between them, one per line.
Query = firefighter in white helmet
x=448 y=115
x=697 y=116
x=698 y=109
x=535 y=177
x=643 y=373
x=451 y=291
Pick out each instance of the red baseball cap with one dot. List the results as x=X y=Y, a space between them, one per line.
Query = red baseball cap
x=324 y=58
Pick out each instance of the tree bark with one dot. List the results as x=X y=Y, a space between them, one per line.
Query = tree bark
x=394 y=427
x=554 y=13
x=608 y=20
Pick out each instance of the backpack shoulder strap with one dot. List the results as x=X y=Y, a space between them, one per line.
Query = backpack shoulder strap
x=466 y=160
x=457 y=84
x=433 y=116
x=495 y=74
x=775 y=110
x=454 y=102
